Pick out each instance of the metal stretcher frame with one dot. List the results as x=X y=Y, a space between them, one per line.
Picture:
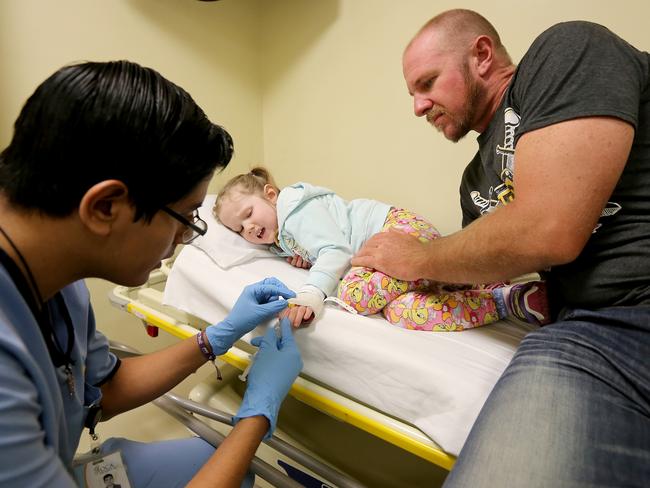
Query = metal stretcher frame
x=185 y=411
x=145 y=302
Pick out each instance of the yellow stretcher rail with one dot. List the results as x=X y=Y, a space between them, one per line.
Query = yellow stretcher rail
x=397 y=433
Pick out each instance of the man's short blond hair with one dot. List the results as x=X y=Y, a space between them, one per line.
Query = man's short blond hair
x=460 y=27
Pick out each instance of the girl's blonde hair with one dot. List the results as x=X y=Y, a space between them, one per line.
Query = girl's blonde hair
x=250 y=183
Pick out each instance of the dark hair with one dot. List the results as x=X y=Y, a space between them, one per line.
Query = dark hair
x=95 y=121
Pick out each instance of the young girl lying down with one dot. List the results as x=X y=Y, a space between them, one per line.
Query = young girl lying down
x=315 y=228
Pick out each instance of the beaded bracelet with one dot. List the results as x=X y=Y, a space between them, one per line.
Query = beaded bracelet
x=207 y=351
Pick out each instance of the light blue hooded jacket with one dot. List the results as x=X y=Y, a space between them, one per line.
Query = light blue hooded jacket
x=324 y=229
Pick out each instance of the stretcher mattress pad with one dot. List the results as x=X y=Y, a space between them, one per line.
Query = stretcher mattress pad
x=437 y=381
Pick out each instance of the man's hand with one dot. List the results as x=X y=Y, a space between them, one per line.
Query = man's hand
x=275 y=367
x=257 y=303
x=396 y=254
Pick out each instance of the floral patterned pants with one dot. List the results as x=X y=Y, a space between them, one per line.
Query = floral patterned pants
x=421 y=304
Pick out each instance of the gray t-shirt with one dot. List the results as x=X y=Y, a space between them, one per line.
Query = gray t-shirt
x=572 y=70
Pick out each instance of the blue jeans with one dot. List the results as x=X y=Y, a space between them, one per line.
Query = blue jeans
x=571 y=410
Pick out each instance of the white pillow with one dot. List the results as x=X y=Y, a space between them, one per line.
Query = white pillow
x=223 y=246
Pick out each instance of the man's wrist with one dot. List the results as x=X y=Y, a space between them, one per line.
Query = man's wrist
x=427 y=265
x=258 y=424
x=264 y=407
x=204 y=346
x=220 y=337
x=206 y=349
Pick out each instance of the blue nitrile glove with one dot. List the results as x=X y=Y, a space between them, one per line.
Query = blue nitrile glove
x=275 y=367
x=258 y=303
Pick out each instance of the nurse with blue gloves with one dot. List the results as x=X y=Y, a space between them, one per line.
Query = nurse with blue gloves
x=276 y=365
x=107 y=166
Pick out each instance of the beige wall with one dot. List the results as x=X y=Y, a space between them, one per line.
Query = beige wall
x=210 y=49
x=311 y=88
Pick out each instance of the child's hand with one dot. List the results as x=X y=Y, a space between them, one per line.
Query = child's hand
x=298 y=262
x=298 y=314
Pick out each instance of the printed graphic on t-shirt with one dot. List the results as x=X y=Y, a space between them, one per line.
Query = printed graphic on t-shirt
x=611 y=208
x=503 y=193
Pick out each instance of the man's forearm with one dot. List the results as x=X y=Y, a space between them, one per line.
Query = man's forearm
x=495 y=247
x=227 y=466
x=142 y=379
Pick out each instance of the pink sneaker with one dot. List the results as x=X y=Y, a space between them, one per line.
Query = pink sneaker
x=531 y=305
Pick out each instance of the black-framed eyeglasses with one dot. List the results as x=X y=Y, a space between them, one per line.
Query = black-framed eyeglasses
x=195 y=228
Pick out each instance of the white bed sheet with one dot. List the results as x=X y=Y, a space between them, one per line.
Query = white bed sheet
x=437 y=381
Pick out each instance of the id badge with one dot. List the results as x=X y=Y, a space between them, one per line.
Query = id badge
x=104 y=471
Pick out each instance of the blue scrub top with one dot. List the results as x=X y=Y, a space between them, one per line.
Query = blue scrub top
x=40 y=422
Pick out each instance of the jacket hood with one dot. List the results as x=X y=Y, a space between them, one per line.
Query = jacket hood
x=294 y=196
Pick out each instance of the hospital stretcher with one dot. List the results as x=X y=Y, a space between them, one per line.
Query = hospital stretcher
x=419 y=391
x=187 y=412
x=146 y=303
